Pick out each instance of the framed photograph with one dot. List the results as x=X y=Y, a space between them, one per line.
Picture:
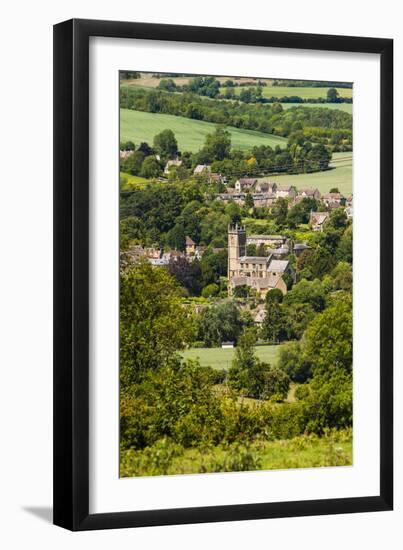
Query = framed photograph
x=223 y=259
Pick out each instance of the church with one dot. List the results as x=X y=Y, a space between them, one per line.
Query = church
x=262 y=273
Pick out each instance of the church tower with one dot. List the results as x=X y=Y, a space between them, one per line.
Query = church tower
x=236 y=249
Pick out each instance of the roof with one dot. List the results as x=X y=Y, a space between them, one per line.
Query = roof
x=284 y=187
x=281 y=250
x=301 y=246
x=267 y=237
x=308 y=191
x=270 y=281
x=247 y=181
x=278 y=265
x=190 y=241
x=254 y=259
x=333 y=196
x=319 y=217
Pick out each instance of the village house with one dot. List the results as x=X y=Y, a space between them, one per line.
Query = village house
x=263 y=199
x=171 y=163
x=245 y=184
x=333 y=200
x=201 y=169
x=238 y=198
x=309 y=192
x=259 y=273
x=266 y=187
x=217 y=178
x=192 y=250
x=317 y=220
x=286 y=192
x=271 y=241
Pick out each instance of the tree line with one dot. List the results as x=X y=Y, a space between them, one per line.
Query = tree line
x=326 y=126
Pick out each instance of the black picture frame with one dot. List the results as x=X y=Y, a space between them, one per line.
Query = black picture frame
x=71 y=274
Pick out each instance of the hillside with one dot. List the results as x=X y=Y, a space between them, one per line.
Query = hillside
x=139 y=126
x=340 y=175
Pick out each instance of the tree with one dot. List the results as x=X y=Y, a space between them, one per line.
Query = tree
x=165 y=144
x=307 y=292
x=273 y=328
x=153 y=322
x=253 y=378
x=280 y=210
x=293 y=363
x=249 y=201
x=274 y=296
x=220 y=323
x=217 y=145
x=210 y=290
x=334 y=190
x=132 y=163
x=327 y=342
x=145 y=148
x=241 y=291
x=187 y=274
x=150 y=168
x=332 y=95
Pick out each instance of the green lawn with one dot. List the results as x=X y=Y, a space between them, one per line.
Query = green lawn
x=339 y=176
x=220 y=358
x=346 y=107
x=303 y=92
x=138 y=126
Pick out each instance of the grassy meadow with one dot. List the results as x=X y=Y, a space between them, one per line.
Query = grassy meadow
x=221 y=358
x=340 y=175
x=139 y=126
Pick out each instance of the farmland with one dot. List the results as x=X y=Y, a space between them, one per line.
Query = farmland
x=221 y=358
x=340 y=176
x=139 y=126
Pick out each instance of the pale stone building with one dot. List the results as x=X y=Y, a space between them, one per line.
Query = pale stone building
x=261 y=273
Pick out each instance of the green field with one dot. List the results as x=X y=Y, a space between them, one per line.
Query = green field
x=220 y=358
x=304 y=92
x=345 y=107
x=138 y=126
x=339 y=176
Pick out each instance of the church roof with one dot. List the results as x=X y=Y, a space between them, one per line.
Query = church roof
x=254 y=259
x=260 y=283
x=278 y=265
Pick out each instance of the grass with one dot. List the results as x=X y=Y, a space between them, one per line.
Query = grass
x=220 y=358
x=306 y=451
x=340 y=176
x=128 y=181
x=346 y=107
x=139 y=126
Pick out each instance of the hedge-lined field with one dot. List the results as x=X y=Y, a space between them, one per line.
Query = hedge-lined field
x=221 y=358
x=138 y=126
